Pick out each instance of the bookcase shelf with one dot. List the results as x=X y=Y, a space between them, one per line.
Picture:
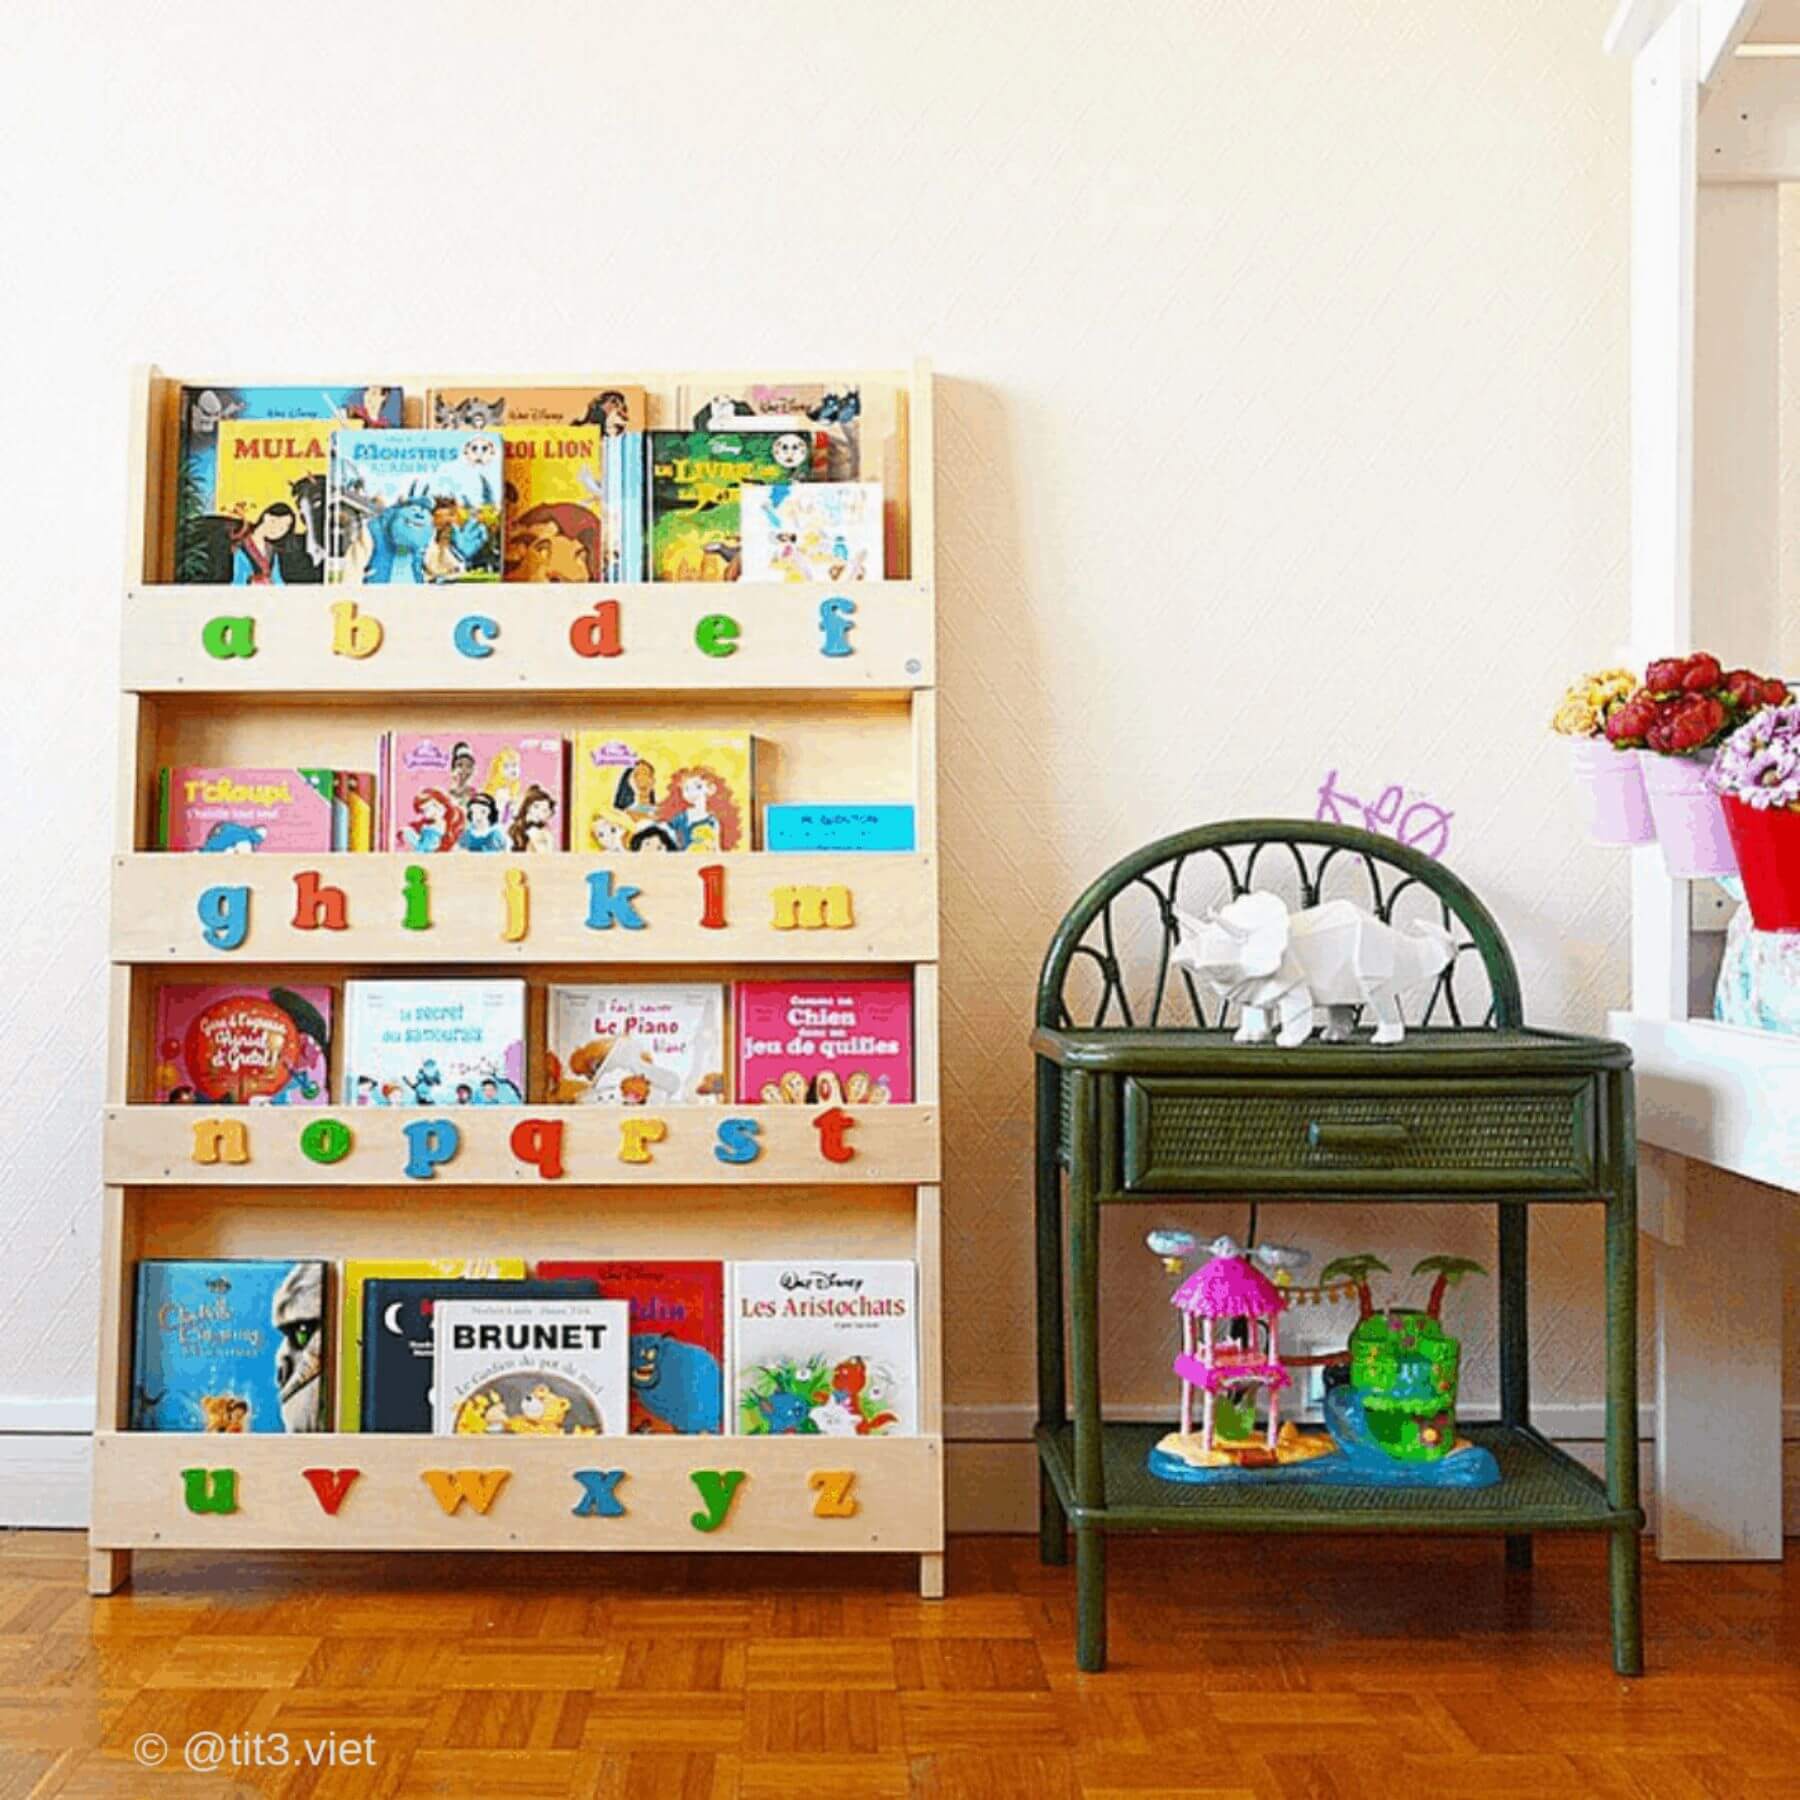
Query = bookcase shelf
x=830 y=729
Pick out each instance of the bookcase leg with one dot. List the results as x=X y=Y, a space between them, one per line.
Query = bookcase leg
x=931 y=1575
x=1053 y=1523
x=108 y=1570
x=1090 y=1601
x=1518 y=1552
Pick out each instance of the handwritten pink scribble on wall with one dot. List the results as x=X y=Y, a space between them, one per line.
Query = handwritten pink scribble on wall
x=1422 y=825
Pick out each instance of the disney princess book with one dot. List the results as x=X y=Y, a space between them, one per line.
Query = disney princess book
x=637 y=1043
x=534 y=1368
x=824 y=1349
x=662 y=790
x=472 y=792
x=235 y=1044
x=824 y=1041
x=443 y=1042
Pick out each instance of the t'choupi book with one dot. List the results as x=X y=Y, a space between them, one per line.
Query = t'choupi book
x=553 y=503
x=359 y=1271
x=824 y=1041
x=414 y=507
x=230 y=1346
x=637 y=1044
x=475 y=792
x=532 y=1368
x=225 y=1044
x=201 y=546
x=434 y=1043
x=677 y=1338
x=824 y=1349
x=238 y=810
x=695 y=477
x=662 y=790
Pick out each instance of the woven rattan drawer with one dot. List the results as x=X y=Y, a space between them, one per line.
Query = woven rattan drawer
x=1193 y=1136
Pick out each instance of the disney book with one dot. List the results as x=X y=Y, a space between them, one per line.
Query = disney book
x=354 y=1275
x=695 y=479
x=227 y=810
x=553 y=503
x=477 y=792
x=824 y=1041
x=201 y=547
x=812 y=531
x=224 y=1044
x=397 y=1319
x=230 y=1346
x=434 y=1043
x=824 y=1349
x=410 y=507
x=662 y=790
x=614 y=407
x=831 y=413
x=637 y=1043
x=532 y=1368
x=677 y=1338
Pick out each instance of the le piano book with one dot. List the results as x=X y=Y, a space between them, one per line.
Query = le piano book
x=532 y=1368
x=637 y=1044
x=441 y=1042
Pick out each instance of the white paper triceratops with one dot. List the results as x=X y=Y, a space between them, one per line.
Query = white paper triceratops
x=1267 y=960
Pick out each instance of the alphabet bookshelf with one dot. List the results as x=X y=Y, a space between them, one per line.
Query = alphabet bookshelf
x=837 y=682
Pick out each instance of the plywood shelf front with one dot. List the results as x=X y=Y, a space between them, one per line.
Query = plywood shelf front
x=154 y=1146
x=139 y=1493
x=892 y=902
x=780 y=642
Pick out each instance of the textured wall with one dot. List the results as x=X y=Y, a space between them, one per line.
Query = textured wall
x=1282 y=429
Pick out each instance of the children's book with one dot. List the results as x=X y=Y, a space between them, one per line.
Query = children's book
x=225 y=1044
x=223 y=810
x=812 y=531
x=637 y=1044
x=230 y=1346
x=353 y=808
x=615 y=407
x=414 y=506
x=531 y=1368
x=397 y=1318
x=554 y=503
x=355 y=1276
x=434 y=1043
x=624 y=540
x=824 y=1349
x=484 y=792
x=677 y=1338
x=662 y=790
x=832 y=414
x=802 y=825
x=823 y=1041
x=271 y=487
x=695 y=478
x=201 y=548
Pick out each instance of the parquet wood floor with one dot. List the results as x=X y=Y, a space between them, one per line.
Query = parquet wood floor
x=1264 y=1667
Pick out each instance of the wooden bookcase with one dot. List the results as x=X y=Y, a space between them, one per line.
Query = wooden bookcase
x=855 y=727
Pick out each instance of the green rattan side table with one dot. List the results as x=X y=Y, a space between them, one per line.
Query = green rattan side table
x=1150 y=1101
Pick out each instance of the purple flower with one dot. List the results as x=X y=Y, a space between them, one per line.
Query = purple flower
x=1759 y=764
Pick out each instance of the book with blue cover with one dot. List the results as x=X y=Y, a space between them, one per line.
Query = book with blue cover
x=230 y=1345
x=397 y=1324
x=807 y=825
x=415 y=507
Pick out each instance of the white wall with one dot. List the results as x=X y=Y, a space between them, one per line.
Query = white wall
x=1282 y=428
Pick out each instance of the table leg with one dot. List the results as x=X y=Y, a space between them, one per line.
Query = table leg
x=1090 y=1600
x=1515 y=1341
x=1625 y=1572
x=1053 y=1522
x=1084 y=1333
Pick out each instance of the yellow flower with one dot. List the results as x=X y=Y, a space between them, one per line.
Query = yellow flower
x=1584 y=707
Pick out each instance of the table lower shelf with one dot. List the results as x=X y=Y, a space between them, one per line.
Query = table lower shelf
x=1541 y=1488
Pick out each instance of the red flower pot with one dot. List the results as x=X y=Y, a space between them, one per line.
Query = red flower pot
x=1768 y=854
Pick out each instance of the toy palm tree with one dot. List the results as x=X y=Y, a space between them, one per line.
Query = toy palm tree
x=1449 y=1271
x=1357 y=1269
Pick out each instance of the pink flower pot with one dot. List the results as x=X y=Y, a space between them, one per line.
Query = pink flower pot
x=1611 y=786
x=1690 y=818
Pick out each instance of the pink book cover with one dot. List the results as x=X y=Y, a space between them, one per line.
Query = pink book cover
x=479 y=792
x=823 y=1041
x=226 y=810
x=242 y=1046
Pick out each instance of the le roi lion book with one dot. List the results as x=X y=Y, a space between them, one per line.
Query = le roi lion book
x=225 y=1045
x=229 y=1346
x=533 y=1368
x=824 y=1041
x=695 y=478
x=434 y=1043
x=662 y=790
x=554 y=503
x=411 y=507
x=637 y=1044
x=211 y=503
x=824 y=1349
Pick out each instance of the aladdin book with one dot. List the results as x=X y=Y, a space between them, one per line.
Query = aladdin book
x=230 y=1346
x=812 y=531
x=677 y=1338
x=824 y=1349
x=553 y=503
x=412 y=507
x=695 y=479
x=473 y=792
x=434 y=1043
x=824 y=1041
x=531 y=1368
x=221 y=1044
x=637 y=1044
x=612 y=407
x=662 y=790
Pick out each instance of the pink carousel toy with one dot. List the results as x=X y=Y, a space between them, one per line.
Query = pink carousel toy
x=1229 y=1288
